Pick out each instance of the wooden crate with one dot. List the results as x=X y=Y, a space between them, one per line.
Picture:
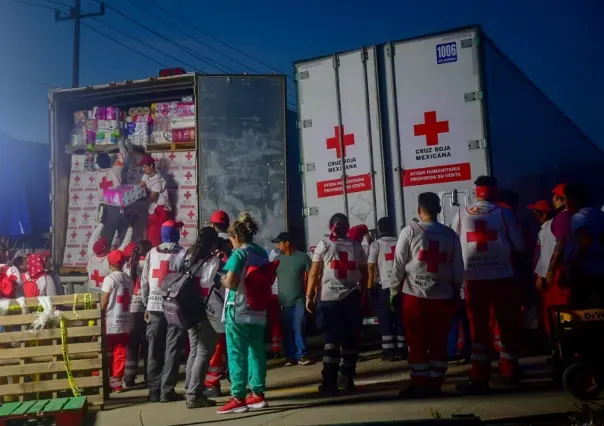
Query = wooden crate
x=60 y=412
x=31 y=363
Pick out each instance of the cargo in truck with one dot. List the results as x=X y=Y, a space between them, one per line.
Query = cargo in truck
x=218 y=140
x=381 y=124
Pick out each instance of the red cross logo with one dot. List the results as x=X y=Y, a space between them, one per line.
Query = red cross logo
x=431 y=128
x=334 y=143
x=74 y=234
x=86 y=216
x=187 y=195
x=97 y=278
x=172 y=156
x=75 y=197
x=481 y=236
x=390 y=256
x=342 y=266
x=82 y=253
x=160 y=274
x=91 y=178
x=77 y=178
x=106 y=184
x=77 y=164
x=90 y=197
x=432 y=256
x=189 y=156
x=73 y=219
x=124 y=300
x=191 y=214
x=188 y=175
x=185 y=233
x=69 y=256
x=89 y=234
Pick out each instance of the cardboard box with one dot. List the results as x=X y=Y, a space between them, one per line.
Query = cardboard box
x=123 y=195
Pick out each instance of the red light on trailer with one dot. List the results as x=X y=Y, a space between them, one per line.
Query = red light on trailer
x=169 y=72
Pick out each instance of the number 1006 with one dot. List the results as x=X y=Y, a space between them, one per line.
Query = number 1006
x=446 y=52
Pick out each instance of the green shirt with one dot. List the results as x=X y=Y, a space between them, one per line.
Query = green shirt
x=236 y=262
x=290 y=274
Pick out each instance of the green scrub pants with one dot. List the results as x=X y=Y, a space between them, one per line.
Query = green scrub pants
x=246 y=356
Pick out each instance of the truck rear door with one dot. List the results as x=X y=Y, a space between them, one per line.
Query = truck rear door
x=340 y=139
x=435 y=99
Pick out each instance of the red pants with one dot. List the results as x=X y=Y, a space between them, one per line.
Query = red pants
x=504 y=296
x=117 y=347
x=154 y=221
x=274 y=321
x=427 y=323
x=217 y=363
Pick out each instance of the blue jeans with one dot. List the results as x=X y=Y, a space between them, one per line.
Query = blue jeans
x=292 y=321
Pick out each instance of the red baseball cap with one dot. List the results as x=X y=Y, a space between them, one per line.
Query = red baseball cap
x=172 y=224
x=220 y=217
x=560 y=190
x=541 y=206
x=129 y=249
x=147 y=160
x=116 y=258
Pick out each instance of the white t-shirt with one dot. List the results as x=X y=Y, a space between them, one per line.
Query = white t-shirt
x=119 y=286
x=46 y=286
x=157 y=183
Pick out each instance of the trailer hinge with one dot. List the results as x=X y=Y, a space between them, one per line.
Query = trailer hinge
x=50 y=230
x=51 y=198
x=310 y=211
x=336 y=61
x=389 y=49
x=364 y=55
x=308 y=167
x=50 y=165
x=473 y=96
x=302 y=75
x=304 y=124
x=477 y=144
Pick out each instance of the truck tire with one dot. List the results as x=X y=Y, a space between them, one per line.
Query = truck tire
x=582 y=381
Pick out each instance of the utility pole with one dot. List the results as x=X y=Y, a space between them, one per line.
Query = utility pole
x=75 y=14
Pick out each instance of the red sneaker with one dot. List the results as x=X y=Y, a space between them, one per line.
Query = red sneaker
x=256 y=401
x=234 y=406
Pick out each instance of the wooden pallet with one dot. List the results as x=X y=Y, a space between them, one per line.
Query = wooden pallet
x=178 y=146
x=60 y=412
x=31 y=363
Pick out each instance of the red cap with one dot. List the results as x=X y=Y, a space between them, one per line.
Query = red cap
x=116 y=258
x=147 y=160
x=172 y=224
x=356 y=233
x=129 y=249
x=220 y=217
x=560 y=190
x=541 y=206
x=101 y=246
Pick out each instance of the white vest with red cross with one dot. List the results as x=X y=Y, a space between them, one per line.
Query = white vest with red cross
x=160 y=265
x=485 y=242
x=118 y=310
x=341 y=261
x=385 y=259
x=429 y=273
x=98 y=269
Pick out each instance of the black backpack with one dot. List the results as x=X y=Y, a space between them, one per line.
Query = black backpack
x=184 y=306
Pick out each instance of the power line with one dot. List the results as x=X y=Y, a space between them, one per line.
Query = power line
x=59 y=3
x=124 y=45
x=111 y=27
x=180 y=19
x=202 y=58
x=41 y=6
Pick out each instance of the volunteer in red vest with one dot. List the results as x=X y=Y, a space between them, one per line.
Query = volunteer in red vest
x=379 y=265
x=428 y=264
x=40 y=283
x=546 y=241
x=557 y=293
x=217 y=369
x=16 y=273
x=165 y=343
x=584 y=257
x=489 y=235
x=159 y=204
x=137 y=345
x=245 y=325
x=339 y=275
x=115 y=302
x=98 y=247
